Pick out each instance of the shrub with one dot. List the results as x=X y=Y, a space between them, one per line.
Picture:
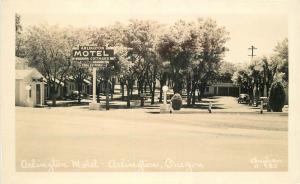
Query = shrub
x=277 y=97
x=176 y=101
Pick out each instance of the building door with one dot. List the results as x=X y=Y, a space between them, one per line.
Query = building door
x=38 y=94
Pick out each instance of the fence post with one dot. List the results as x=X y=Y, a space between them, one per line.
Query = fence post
x=209 y=107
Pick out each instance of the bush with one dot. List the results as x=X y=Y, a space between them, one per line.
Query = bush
x=176 y=101
x=277 y=97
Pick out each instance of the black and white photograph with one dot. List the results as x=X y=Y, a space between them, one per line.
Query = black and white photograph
x=151 y=87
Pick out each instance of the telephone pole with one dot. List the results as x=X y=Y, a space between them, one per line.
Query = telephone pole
x=255 y=87
x=252 y=48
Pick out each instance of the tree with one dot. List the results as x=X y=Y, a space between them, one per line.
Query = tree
x=111 y=36
x=281 y=52
x=105 y=74
x=226 y=72
x=277 y=97
x=211 y=49
x=241 y=77
x=48 y=49
x=263 y=71
x=176 y=101
x=194 y=50
x=162 y=76
x=153 y=71
x=126 y=69
x=266 y=72
x=19 y=50
x=177 y=45
x=78 y=74
x=139 y=37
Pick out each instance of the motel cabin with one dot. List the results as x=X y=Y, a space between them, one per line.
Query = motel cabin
x=68 y=86
x=222 y=89
x=29 y=85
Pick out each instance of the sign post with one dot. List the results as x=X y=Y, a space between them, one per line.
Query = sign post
x=209 y=107
x=165 y=89
x=94 y=84
x=95 y=57
x=164 y=108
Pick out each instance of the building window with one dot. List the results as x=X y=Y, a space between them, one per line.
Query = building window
x=207 y=89
x=30 y=93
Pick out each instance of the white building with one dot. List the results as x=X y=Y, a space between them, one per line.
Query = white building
x=29 y=88
x=70 y=86
x=222 y=89
x=67 y=87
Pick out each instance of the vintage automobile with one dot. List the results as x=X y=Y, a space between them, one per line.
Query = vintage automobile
x=244 y=98
x=74 y=95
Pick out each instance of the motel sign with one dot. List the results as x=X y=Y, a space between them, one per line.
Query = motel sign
x=93 y=56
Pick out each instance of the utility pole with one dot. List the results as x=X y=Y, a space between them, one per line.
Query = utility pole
x=252 y=48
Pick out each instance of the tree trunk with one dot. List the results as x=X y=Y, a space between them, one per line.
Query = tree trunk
x=131 y=89
x=112 y=89
x=250 y=92
x=177 y=84
x=201 y=89
x=153 y=92
x=162 y=82
x=53 y=95
x=128 y=95
x=268 y=89
x=53 y=100
x=113 y=83
x=122 y=89
x=193 y=96
x=193 y=93
x=79 y=89
x=160 y=93
x=107 y=95
x=142 y=96
x=199 y=96
x=145 y=87
x=188 y=91
x=98 y=93
x=256 y=94
x=141 y=91
x=138 y=89
x=188 y=97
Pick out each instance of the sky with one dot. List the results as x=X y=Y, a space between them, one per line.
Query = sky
x=261 y=23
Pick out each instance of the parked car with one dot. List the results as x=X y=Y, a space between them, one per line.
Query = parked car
x=74 y=95
x=244 y=98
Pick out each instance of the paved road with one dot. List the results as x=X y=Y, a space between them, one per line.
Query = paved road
x=76 y=139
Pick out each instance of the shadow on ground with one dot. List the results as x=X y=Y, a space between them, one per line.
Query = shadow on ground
x=203 y=106
x=68 y=104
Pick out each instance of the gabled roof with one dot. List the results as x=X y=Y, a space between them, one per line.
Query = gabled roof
x=87 y=81
x=22 y=74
